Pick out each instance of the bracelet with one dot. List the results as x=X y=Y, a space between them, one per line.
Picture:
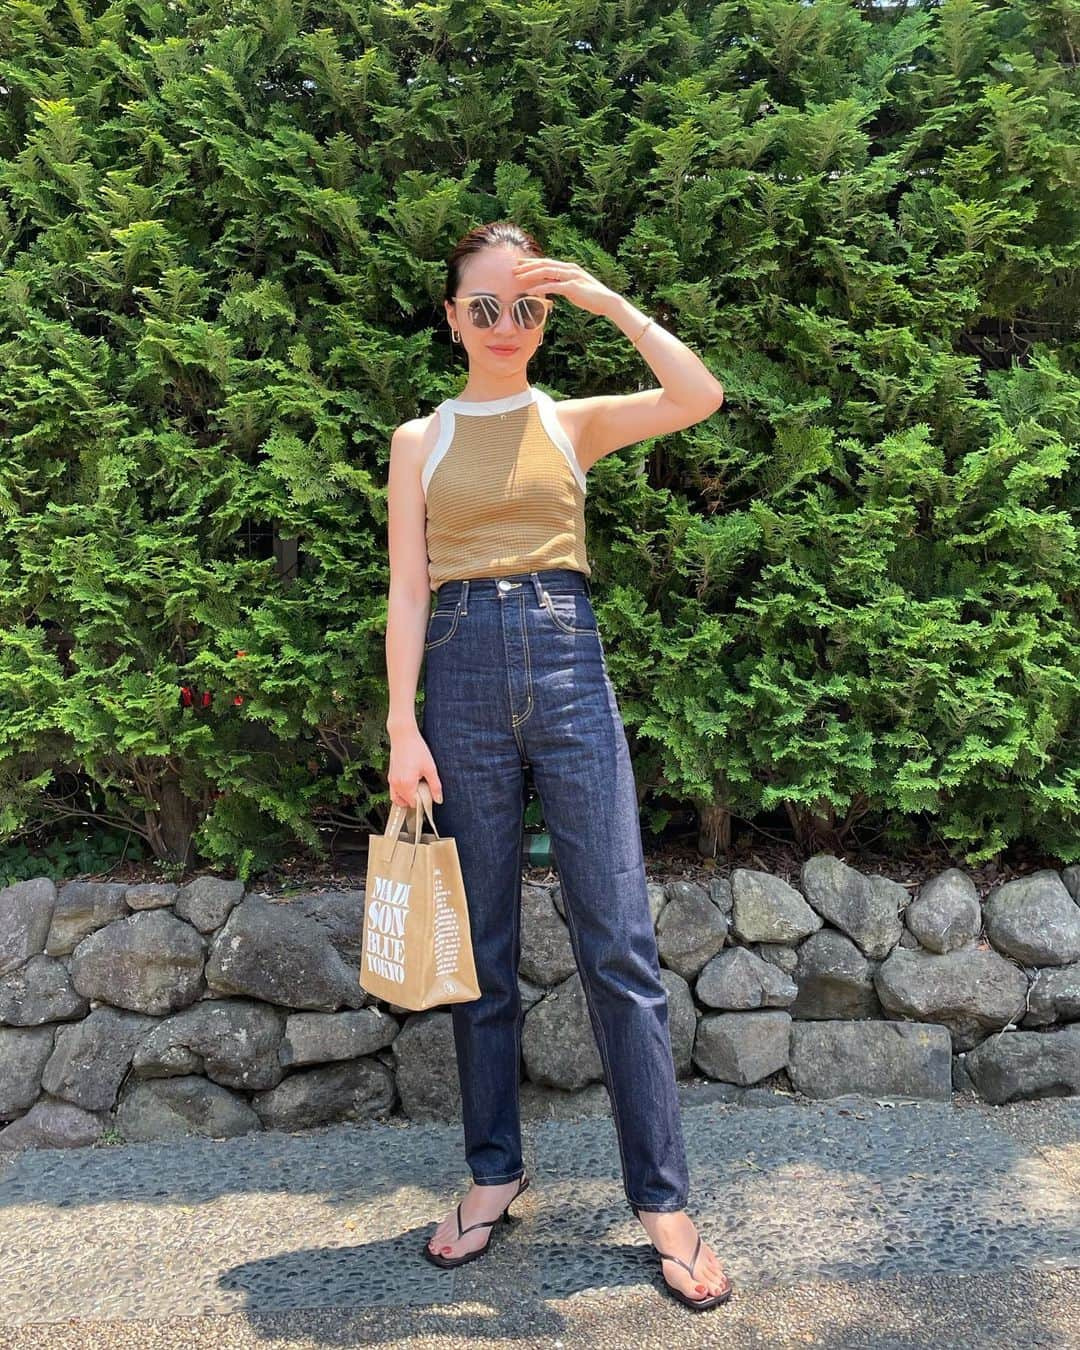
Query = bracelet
x=636 y=340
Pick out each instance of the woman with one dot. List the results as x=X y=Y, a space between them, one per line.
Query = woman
x=487 y=509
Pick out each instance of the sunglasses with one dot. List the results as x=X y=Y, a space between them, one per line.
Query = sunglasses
x=527 y=311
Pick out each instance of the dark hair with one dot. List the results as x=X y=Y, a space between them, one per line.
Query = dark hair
x=484 y=236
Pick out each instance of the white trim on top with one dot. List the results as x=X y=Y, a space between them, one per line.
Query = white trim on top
x=474 y=407
x=442 y=443
x=545 y=407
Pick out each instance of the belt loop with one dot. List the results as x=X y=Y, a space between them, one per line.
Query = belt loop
x=537 y=587
x=588 y=587
x=465 y=596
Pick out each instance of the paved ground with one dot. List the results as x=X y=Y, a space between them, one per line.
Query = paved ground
x=845 y=1224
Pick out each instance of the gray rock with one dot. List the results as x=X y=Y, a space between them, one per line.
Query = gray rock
x=971 y=992
x=557 y=1040
x=737 y=980
x=91 y=1058
x=682 y=1021
x=275 y=953
x=26 y=910
x=742 y=1047
x=701 y=1091
x=1024 y=1065
x=341 y=915
x=539 y=1102
x=835 y=980
x=688 y=890
x=316 y=1037
x=426 y=1066
x=1070 y=876
x=1054 y=996
x=947 y=914
x=24 y=1052
x=172 y=1108
x=39 y=991
x=150 y=895
x=719 y=890
x=207 y=902
x=150 y=962
x=232 y=1041
x=690 y=931
x=961 y=1079
x=867 y=909
x=1034 y=919
x=360 y=1089
x=530 y=993
x=53 y=1124
x=547 y=956
x=875 y=1059
x=82 y=907
x=778 y=954
x=767 y=909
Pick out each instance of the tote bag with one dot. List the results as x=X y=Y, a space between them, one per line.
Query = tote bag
x=416 y=950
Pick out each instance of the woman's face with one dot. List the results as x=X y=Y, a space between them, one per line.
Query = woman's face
x=504 y=349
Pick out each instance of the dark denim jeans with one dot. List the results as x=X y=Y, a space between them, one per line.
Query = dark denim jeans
x=515 y=676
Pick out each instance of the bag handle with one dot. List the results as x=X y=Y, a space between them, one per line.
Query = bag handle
x=398 y=817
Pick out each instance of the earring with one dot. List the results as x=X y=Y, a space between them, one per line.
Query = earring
x=455 y=336
x=541 y=342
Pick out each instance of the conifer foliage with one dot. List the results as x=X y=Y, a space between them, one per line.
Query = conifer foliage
x=849 y=597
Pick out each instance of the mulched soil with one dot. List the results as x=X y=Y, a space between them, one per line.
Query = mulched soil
x=677 y=860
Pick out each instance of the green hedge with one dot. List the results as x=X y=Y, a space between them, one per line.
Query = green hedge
x=850 y=596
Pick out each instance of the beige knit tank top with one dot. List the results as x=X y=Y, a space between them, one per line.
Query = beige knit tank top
x=504 y=490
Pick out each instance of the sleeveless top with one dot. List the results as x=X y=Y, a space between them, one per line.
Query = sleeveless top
x=504 y=491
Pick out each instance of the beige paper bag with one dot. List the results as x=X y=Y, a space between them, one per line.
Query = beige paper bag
x=417 y=947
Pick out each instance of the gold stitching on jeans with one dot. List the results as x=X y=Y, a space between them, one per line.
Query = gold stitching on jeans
x=515 y=722
x=453 y=627
x=549 y=605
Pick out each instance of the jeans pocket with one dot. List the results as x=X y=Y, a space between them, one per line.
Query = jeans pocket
x=571 y=611
x=442 y=625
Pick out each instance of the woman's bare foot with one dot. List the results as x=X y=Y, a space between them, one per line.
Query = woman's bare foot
x=482 y=1202
x=677 y=1234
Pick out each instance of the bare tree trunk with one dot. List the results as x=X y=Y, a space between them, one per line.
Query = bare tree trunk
x=714 y=828
x=170 y=829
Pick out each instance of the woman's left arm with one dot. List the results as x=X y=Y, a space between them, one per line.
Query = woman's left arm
x=689 y=391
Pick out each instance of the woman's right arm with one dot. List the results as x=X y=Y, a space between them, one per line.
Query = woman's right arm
x=408 y=609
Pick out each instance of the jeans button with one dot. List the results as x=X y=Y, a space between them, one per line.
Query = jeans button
x=504 y=585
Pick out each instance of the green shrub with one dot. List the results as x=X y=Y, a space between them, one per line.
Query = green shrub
x=850 y=594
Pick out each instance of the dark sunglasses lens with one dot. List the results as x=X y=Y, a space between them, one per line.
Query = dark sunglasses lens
x=483 y=311
x=529 y=311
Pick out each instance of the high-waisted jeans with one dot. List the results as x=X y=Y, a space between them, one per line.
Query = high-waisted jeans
x=515 y=677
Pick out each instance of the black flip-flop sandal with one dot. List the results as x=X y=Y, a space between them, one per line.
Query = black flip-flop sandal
x=698 y=1304
x=447 y=1261
x=710 y=1300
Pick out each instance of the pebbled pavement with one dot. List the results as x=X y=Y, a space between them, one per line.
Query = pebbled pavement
x=848 y=1223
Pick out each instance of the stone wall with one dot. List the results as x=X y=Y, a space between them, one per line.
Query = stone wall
x=153 y=1011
